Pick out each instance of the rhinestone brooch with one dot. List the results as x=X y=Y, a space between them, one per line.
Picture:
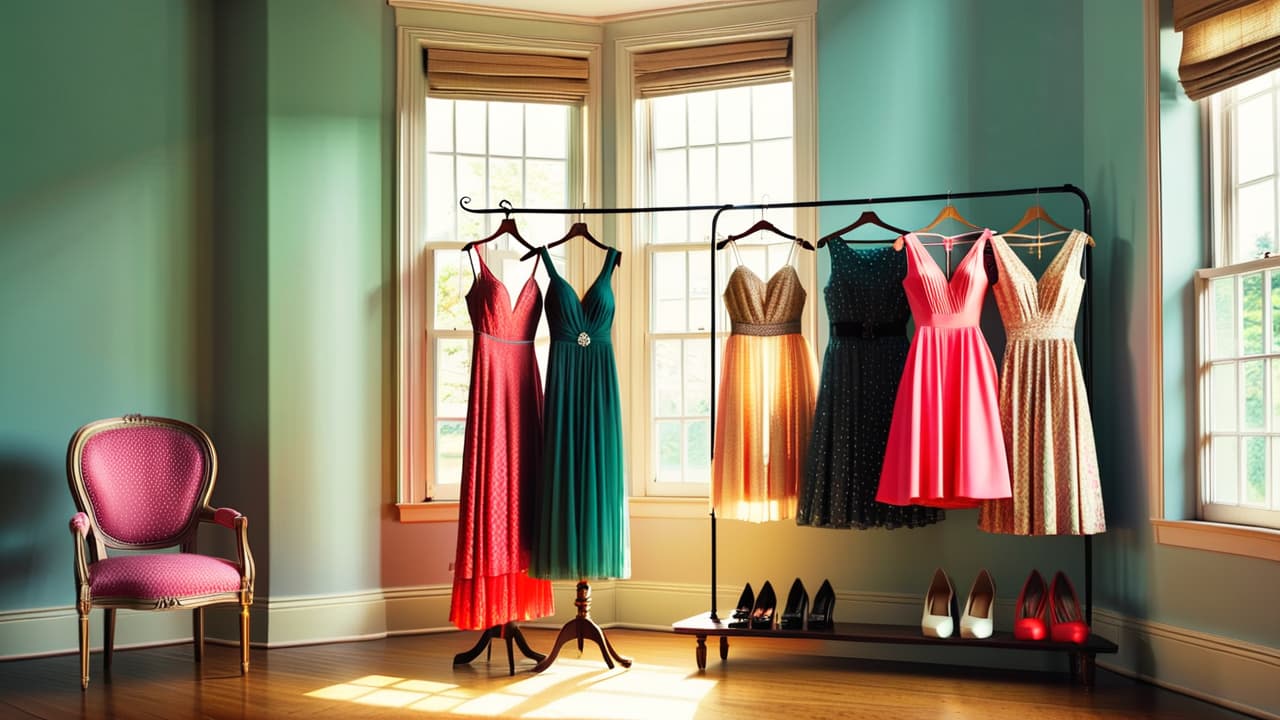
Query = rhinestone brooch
x=583 y=339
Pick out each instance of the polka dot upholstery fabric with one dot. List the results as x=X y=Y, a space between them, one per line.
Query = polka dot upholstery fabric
x=162 y=575
x=143 y=482
x=856 y=394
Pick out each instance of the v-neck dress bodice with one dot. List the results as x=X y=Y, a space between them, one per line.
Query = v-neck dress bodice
x=581 y=528
x=500 y=460
x=1044 y=406
x=866 y=351
x=765 y=408
x=945 y=446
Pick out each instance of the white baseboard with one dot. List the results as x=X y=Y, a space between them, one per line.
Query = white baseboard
x=1228 y=672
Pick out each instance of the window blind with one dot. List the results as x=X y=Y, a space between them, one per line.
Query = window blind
x=1225 y=42
x=710 y=67
x=518 y=77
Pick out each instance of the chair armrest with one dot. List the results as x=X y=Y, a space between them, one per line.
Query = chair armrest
x=226 y=517
x=79 y=534
x=230 y=518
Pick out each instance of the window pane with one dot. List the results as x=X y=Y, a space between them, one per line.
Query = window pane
x=1255 y=471
x=506 y=128
x=1255 y=218
x=469 y=126
x=1222 y=343
x=734 y=174
x=702 y=177
x=1222 y=398
x=449 y=436
x=441 y=198
x=1255 y=138
x=546 y=130
x=670 y=227
x=1251 y=87
x=1275 y=311
x=668 y=121
x=699 y=291
x=666 y=378
x=471 y=183
x=668 y=450
x=698 y=451
x=452 y=281
x=668 y=286
x=733 y=114
x=772 y=171
x=771 y=111
x=546 y=183
x=702 y=118
x=1254 y=397
x=1275 y=398
x=1275 y=472
x=669 y=176
x=697 y=368
x=1226 y=470
x=453 y=375
x=1251 y=311
x=439 y=125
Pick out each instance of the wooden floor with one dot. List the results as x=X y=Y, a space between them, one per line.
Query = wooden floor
x=414 y=677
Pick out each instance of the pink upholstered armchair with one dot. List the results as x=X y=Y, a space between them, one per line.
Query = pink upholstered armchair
x=143 y=483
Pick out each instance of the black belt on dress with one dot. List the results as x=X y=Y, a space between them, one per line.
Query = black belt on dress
x=868 y=329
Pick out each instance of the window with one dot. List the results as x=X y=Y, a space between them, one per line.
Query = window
x=488 y=151
x=708 y=147
x=1238 y=306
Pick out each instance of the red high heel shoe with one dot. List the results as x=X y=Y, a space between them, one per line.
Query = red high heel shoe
x=1066 y=622
x=1031 y=615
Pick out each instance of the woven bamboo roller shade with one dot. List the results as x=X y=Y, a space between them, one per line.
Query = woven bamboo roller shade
x=710 y=67
x=511 y=76
x=1226 y=42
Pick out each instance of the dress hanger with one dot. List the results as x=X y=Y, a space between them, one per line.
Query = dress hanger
x=868 y=217
x=506 y=227
x=1037 y=214
x=948 y=212
x=579 y=229
x=764 y=225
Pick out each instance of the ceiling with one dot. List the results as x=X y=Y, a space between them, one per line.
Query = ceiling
x=584 y=8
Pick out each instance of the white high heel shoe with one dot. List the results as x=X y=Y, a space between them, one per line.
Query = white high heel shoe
x=939 y=607
x=977 y=619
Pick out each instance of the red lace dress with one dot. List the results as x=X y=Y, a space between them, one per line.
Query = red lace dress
x=500 y=460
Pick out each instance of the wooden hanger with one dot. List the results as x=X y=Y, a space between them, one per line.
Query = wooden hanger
x=1035 y=213
x=948 y=212
x=506 y=227
x=868 y=217
x=579 y=229
x=764 y=225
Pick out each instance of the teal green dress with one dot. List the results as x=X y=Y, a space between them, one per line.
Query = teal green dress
x=581 y=527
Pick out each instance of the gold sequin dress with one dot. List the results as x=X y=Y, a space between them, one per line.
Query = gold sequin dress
x=1044 y=409
x=767 y=392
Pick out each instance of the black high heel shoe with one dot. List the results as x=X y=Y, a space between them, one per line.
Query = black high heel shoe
x=746 y=602
x=766 y=605
x=824 y=604
x=797 y=607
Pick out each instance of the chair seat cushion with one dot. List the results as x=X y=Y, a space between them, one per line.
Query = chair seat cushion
x=162 y=575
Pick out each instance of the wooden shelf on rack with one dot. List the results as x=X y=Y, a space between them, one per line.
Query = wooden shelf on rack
x=1082 y=656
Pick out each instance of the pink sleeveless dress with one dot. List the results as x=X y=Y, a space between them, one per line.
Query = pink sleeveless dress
x=945 y=445
x=500 y=459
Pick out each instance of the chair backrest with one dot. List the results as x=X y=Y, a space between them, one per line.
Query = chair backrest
x=142 y=480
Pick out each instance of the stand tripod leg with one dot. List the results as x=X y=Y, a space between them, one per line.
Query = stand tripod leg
x=515 y=634
x=582 y=628
x=481 y=645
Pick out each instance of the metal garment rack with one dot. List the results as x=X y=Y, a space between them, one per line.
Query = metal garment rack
x=1086 y=350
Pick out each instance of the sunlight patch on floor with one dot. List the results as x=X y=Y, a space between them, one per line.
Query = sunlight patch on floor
x=569 y=689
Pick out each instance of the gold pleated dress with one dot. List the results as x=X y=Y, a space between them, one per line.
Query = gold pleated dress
x=767 y=393
x=1044 y=406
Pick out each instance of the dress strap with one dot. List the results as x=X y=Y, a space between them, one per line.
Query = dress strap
x=472 y=262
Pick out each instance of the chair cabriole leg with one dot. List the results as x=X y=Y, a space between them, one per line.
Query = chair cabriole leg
x=84 y=649
x=244 y=639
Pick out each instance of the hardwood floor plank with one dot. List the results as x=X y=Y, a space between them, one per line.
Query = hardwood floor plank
x=414 y=677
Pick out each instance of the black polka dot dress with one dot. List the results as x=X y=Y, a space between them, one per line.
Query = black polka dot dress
x=860 y=372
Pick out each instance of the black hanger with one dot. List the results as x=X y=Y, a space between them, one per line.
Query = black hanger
x=764 y=225
x=868 y=217
x=578 y=229
x=506 y=227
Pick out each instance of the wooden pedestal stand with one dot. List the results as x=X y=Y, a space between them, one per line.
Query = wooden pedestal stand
x=582 y=628
x=508 y=632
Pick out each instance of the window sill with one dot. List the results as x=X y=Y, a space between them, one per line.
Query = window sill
x=1255 y=542
x=669 y=507
x=428 y=512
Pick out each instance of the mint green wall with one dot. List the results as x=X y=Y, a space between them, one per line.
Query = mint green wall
x=330 y=138
x=104 y=211
x=917 y=97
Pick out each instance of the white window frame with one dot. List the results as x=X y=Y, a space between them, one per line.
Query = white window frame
x=1220 y=151
x=414 y=371
x=635 y=367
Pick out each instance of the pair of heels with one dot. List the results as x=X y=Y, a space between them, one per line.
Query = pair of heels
x=757 y=612
x=1052 y=612
x=941 y=614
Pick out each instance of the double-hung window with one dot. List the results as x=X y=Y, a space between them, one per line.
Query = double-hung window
x=1238 y=311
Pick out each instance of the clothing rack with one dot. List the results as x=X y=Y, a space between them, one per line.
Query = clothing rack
x=1082 y=657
